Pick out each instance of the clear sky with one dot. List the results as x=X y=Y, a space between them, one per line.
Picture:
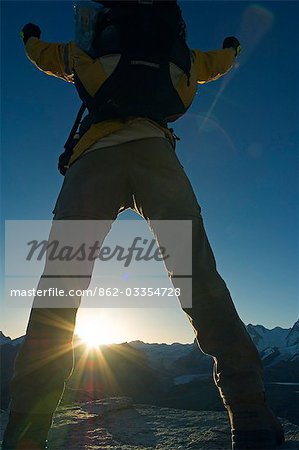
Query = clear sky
x=239 y=146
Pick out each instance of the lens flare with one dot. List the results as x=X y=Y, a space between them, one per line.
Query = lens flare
x=255 y=24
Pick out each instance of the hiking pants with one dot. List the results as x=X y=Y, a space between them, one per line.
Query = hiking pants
x=147 y=176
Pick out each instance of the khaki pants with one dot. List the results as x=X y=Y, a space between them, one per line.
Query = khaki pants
x=146 y=176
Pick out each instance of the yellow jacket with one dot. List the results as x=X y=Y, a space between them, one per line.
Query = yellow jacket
x=60 y=60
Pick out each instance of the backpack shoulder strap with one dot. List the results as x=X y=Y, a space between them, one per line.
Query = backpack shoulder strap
x=75 y=126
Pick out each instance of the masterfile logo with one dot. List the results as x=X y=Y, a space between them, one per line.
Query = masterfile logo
x=116 y=264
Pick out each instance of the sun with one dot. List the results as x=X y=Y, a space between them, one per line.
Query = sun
x=94 y=332
x=90 y=338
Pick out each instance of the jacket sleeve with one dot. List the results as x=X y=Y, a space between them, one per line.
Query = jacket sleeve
x=53 y=59
x=210 y=66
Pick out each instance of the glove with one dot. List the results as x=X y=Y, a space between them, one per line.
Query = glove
x=64 y=158
x=30 y=30
x=232 y=42
x=63 y=162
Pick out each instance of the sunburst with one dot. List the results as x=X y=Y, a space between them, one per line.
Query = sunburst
x=95 y=332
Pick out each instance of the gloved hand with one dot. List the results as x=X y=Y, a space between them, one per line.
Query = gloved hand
x=64 y=158
x=30 y=30
x=232 y=42
x=63 y=162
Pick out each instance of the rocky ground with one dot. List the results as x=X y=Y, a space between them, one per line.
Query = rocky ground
x=118 y=424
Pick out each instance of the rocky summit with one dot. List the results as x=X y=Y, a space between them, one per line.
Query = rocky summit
x=119 y=424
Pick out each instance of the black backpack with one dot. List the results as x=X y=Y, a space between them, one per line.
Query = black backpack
x=149 y=35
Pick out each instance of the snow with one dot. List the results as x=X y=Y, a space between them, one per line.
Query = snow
x=264 y=338
x=162 y=355
x=293 y=336
x=118 y=424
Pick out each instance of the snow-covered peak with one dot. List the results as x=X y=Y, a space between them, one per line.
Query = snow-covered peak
x=293 y=335
x=162 y=355
x=264 y=338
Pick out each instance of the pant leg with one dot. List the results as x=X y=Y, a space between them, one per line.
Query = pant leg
x=162 y=191
x=95 y=188
x=45 y=360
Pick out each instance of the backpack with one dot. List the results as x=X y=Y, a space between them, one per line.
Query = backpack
x=149 y=35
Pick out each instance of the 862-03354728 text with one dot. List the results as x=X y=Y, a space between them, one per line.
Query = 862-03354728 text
x=99 y=291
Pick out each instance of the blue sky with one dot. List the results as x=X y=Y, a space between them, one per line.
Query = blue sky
x=239 y=146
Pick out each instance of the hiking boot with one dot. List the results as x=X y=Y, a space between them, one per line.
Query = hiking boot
x=254 y=426
x=26 y=432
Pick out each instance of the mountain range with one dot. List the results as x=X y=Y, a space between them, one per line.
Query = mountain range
x=7 y=340
x=275 y=345
x=176 y=375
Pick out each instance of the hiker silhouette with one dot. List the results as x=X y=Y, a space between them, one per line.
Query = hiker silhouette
x=135 y=74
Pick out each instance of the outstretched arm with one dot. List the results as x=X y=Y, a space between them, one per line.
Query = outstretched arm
x=53 y=59
x=213 y=64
